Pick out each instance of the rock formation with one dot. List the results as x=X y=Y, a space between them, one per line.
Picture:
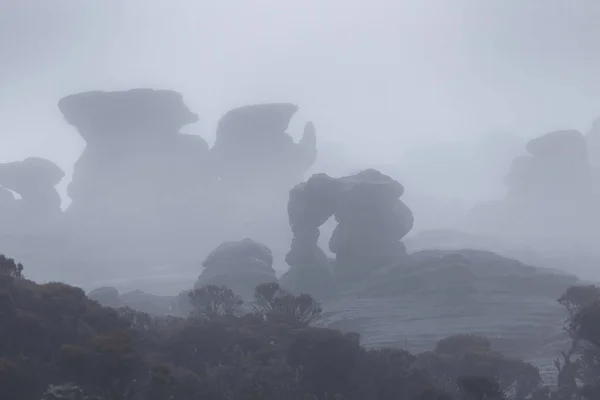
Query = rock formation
x=7 y=201
x=371 y=222
x=34 y=180
x=435 y=293
x=252 y=146
x=554 y=185
x=593 y=144
x=241 y=266
x=551 y=192
x=138 y=179
x=134 y=155
x=258 y=162
x=107 y=296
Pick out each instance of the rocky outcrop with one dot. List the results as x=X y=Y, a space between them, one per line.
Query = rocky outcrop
x=556 y=160
x=371 y=221
x=34 y=180
x=433 y=294
x=253 y=147
x=134 y=154
x=313 y=277
x=107 y=296
x=7 y=199
x=593 y=144
x=551 y=193
x=241 y=266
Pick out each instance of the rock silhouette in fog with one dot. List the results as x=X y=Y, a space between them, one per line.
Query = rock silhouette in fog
x=253 y=147
x=371 y=221
x=258 y=162
x=135 y=156
x=107 y=296
x=593 y=144
x=550 y=192
x=240 y=265
x=34 y=180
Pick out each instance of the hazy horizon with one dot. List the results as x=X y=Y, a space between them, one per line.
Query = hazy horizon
x=381 y=79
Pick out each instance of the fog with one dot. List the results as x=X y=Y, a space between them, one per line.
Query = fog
x=379 y=79
x=441 y=95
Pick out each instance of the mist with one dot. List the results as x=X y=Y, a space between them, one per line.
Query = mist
x=189 y=188
x=379 y=80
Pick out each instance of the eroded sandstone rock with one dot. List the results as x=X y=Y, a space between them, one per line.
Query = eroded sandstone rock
x=134 y=154
x=593 y=144
x=240 y=265
x=34 y=180
x=253 y=146
x=371 y=222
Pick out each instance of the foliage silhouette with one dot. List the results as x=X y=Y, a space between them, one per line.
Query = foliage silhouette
x=212 y=301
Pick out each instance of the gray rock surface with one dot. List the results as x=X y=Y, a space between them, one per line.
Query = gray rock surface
x=241 y=266
x=371 y=221
x=552 y=194
x=593 y=144
x=134 y=153
x=253 y=146
x=34 y=179
x=434 y=294
x=107 y=296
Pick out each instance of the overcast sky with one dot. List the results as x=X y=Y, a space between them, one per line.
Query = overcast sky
x=381 y=76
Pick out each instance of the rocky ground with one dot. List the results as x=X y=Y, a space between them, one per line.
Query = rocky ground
x=528 y=328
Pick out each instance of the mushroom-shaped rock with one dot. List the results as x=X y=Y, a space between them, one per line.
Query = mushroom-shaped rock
x=371 y=222
x=256 y=123
x=252 y=144
x=107 y=296
x=34 y=179
x=117 y=117
x=564 y=145
x=135 y=154
x=241 y=266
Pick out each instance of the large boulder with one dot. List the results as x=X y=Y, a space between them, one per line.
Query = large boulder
x=240 y=265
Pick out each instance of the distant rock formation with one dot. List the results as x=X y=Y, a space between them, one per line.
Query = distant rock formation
x=435 y=293
x=371 y=222
x=593 y=144
x=258 y=162
x=7 y=202
x=551 y=192
x=253 y=147
x=241 y=266
x=34 y=180
x=107 y=296
x=134 y=155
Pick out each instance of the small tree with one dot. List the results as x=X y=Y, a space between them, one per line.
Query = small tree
x=211 y=301
x=577 y=297
x=579 y=301
x=8 y=267
x=272 y=302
